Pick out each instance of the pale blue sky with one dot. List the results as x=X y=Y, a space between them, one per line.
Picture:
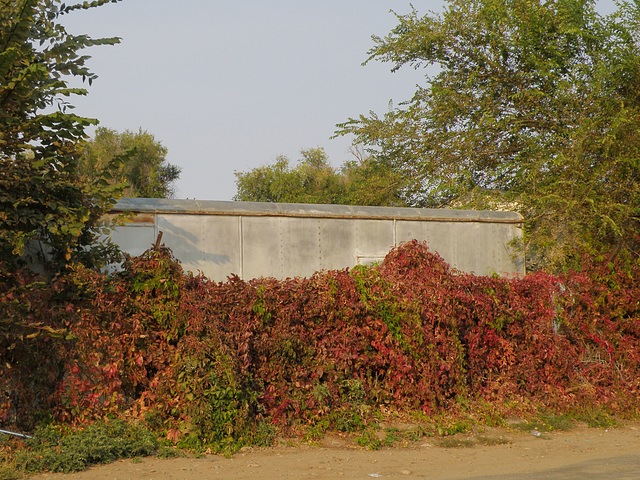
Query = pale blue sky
x=229 y=86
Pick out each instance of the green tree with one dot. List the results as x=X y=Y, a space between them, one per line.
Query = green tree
x=530 y=105
x=363 y=181
x=146 y=171
x=312 y=180
x=42 y=199
x=371 y=181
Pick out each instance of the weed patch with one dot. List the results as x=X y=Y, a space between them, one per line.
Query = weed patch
x=54 y=450
x=469 y=442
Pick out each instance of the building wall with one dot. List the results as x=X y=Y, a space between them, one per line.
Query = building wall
x=287 y=240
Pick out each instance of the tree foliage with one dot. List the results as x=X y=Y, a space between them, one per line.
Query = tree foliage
x=528 y=105
x=146 y=171
x=363 y=181
x=42 y=199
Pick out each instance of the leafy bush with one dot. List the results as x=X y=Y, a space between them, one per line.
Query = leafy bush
x=32 y=317
x=54 y=450
x=214 y=365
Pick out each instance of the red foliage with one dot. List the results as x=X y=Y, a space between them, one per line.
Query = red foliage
x=601 y=315
x=32 y=314
x=203 y=359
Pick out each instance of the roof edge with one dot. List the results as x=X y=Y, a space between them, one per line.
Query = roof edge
x=214 y=207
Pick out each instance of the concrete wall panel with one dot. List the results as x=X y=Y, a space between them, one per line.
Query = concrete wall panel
x=482 y=248
x=299 y=246
x=374 y=238
x=338 y=243
x=207 y=243
x=280 y=246
x=135 y=239
x=288 y=240
x=261 y=252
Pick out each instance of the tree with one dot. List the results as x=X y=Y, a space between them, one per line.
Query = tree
x=363 y=181
x=146 y=171
x=534 y=106
x=42 y=199
x=371 y=181
x=313 y=180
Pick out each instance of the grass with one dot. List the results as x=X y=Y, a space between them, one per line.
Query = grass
x=454 y=442
x=467 y=429
x=60 y=449
x=9 y=473
x=595 y=418
x=54 y=449
x=550 y=422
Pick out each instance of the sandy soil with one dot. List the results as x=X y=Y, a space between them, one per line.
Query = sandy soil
x=581 y=453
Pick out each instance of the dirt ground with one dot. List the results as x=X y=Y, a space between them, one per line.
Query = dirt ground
x=580 y=453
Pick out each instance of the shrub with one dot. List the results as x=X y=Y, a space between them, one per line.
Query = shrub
x=209 y=364
x=53 y=450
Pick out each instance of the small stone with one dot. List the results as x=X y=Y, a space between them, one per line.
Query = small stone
x=405 y=472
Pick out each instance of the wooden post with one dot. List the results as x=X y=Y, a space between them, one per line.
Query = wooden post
x=156 y=246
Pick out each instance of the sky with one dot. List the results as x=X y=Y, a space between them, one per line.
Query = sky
x=229 y=86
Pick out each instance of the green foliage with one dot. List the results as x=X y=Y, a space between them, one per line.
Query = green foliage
x=43 y=203
x=453 y=442
x=146 y=171
x=32 y=321
x=371 y=181
x=53 y=450
x=363 y=181
x=595 y=417
x=530 y=106
x=548 y=422
x=369 y=440
x=9 y=473
x=311 y=180
x=545 y=421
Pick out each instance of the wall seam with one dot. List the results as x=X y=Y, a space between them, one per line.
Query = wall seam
x=395 y=233
x=241 y=247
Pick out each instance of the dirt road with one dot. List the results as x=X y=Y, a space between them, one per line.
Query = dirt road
x=581 y=453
